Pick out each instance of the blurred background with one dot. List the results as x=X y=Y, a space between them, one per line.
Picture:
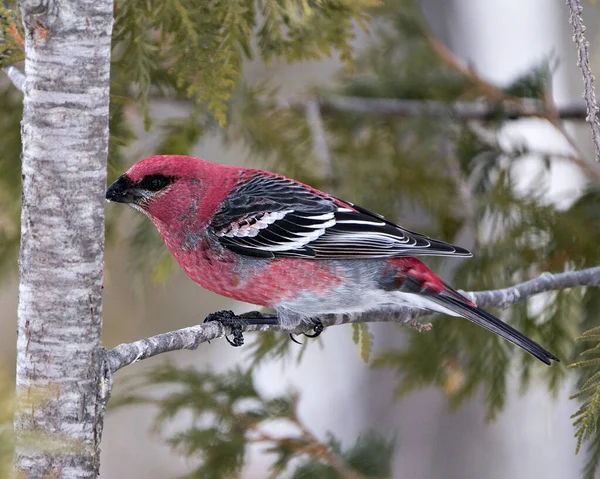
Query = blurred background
x=520 y=192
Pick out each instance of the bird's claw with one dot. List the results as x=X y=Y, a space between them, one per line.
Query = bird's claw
x=238 y=337
x=317 y=330
x=229 y=319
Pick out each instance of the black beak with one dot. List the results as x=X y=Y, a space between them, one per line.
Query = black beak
x=122 y=191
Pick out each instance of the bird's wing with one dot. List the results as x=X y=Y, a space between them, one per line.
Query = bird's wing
x=272 y=216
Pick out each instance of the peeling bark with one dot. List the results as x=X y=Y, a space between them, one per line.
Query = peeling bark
x=65 y=146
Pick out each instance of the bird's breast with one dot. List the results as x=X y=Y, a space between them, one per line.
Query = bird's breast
x=265 y=282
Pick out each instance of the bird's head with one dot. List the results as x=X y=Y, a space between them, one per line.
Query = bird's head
x=168 y=187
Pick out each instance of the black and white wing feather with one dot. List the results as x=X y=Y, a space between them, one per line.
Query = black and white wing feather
x=272 y=216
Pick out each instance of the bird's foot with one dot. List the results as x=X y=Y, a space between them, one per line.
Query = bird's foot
x=229 y=319
x=237 y=323
x=317 y=329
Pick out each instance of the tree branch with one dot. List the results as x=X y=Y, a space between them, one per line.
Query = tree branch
x=483 y=111
x=16 y=76
x=583 y=60
x=502 y=298
x=192 y=337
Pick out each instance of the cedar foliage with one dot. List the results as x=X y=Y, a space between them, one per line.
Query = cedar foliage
x=230 y=415
x=455 y=173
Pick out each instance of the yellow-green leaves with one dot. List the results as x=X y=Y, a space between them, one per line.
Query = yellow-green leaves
x=11 y=37
x=587 y=416
x=197 y=48
x=364 y=339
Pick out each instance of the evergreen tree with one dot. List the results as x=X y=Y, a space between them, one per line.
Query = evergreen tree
x=400 y=108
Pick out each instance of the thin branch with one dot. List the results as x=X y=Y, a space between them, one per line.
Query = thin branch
x=577 y=158
x=480 y=111
x=310 y=445
x=583 y=60
x=16 y=76
x=546 y=109
x=192 y=337
x=483 y=111
x=502 y=298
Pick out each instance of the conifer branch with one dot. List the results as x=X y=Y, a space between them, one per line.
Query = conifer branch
x=16 y=76
x=310 y=445
x=192 y=337
x=480 y=111
x=583 y=60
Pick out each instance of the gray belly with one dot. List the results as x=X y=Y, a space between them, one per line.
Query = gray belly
x=363 y=291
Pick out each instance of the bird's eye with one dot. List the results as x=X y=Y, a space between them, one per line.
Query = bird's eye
x=155 y=182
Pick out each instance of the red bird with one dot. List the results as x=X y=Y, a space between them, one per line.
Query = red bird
x=268 y=240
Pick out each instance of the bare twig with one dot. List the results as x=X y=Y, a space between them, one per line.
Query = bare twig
x=545 y=109
x=583 y=60
x=16 y=76
x=487 y=88
x=502 y=298
x=192 y=337
x=577 y=158
x=397 y=107
x=462 y=110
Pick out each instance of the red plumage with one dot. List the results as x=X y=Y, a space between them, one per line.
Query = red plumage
x=261 y=238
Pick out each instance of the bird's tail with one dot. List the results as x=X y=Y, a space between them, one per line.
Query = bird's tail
x=455 y=302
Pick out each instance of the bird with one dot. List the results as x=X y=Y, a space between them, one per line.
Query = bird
x=268 y=240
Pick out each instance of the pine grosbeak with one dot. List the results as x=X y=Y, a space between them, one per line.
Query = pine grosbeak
x=268 y=240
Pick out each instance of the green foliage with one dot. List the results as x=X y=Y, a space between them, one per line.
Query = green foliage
x=370 y=455
x=364 y=339
x=534 y=83
x=11 y=36
x=589 y=412
x=6 y=426
x=228 y=415
x=455 y=174
x=196 y=49
x=587 y=417
x=10 y=177
x=271 y=346
x=518 y=234
x=428 y=161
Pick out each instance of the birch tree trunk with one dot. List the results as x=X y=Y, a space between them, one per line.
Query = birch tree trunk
x=65 y=145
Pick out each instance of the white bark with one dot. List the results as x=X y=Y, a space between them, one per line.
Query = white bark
x=65 y=146
x=15 y=76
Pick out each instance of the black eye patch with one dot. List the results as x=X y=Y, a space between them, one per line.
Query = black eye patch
x=155 y=182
